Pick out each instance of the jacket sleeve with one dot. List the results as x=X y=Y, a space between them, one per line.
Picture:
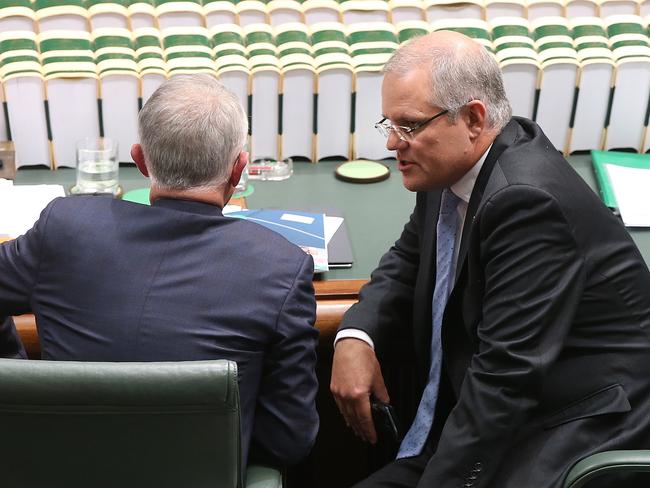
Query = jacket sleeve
x=19 y=263
x=534 y=275
x=10 y=344
x=385 y=304
x=286 y=421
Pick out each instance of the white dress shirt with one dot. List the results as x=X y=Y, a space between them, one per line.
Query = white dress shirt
x=462 y=189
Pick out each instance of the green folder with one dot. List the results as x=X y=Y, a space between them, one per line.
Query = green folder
x=602 y=158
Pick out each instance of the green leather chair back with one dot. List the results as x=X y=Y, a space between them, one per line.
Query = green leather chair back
x=601 y=469
x=74 y=424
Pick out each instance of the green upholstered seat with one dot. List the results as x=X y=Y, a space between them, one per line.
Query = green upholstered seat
x=371 y=45
x=171 y=6
x=285 y=11
x=53 y=8
x=141 y=7
x=408 y=29
x=513 y=42
x=114 y=52
x=17 y=8
x=149 y=52
x=261 y=49
x=477 y=29
x=604 y=463
x=168 y=424
x=229 y=48
x=67 y=54
x=330 y=47
x=294 y=47
x=591 y=42
x=514 y=48
x=97 y=7
x=188 y=50
x=19 y=55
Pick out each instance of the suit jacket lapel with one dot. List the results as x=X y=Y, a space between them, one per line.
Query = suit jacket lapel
x=479 y=193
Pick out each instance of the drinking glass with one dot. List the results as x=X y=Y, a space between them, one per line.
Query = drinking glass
x=97 y=166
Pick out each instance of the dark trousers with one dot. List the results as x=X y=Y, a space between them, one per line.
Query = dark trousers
x=402 y=473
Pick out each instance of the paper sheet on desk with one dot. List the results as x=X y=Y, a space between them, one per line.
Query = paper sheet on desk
x=630 y=187
x=332 y=224
x=21 y=205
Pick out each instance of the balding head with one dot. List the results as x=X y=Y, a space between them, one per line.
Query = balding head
x=460 y=70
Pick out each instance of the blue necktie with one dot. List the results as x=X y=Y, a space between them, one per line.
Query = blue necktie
x=445 y=240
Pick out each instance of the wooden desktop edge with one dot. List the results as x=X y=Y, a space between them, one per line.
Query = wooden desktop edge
x=333 y=298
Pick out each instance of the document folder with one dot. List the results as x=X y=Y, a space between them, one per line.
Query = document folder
x=339 y=249
x=304 y=229
x=601 y=159
x=624 y=179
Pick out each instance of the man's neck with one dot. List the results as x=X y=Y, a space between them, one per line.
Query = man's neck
x=211 y=196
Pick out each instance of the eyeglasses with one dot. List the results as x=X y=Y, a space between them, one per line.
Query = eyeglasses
x=403 y=132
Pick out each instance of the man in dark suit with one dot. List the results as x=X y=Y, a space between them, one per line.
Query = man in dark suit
x=110 y=280
x=524 y=299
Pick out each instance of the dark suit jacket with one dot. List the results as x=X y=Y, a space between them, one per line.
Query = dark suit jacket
x=546 y=335
x=10 y=344
x=110 y=280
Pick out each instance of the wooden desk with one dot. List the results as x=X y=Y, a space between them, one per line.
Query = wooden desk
x=312 y=185
x=374 y=217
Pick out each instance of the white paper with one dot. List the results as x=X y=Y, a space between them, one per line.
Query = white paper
x=630 y=186
x=21 y=205
x=332 y=224
x=302 y=219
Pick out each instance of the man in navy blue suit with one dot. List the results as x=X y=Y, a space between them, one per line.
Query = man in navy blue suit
x=10 y=344
x=110 y=280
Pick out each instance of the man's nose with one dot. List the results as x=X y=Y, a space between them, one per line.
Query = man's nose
x=393 y=142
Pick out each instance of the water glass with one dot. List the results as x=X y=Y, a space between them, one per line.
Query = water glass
x=270 y=169
x=97 y=166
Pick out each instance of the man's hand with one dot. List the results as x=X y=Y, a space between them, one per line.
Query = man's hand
x=356 y=376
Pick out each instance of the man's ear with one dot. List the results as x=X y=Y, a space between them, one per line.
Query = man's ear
x=476 y=113
x=238 y=168
x=138 y=158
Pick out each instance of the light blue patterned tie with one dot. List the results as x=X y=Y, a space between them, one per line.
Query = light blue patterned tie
x=445 y=240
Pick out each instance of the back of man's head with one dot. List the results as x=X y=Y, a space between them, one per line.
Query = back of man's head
x=191 y=130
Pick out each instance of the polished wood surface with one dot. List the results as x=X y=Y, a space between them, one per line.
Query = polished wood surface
x=333 y=298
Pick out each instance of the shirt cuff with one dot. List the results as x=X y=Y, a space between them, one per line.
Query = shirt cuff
x=355 y=334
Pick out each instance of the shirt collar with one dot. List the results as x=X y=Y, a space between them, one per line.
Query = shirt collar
x=463 y=188
x=191 y=206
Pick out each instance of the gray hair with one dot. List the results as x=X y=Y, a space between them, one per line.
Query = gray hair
x=457 y=76
x=191 y=130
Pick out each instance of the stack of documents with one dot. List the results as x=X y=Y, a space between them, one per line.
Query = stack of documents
x=21 y=205
x=311 y=231
x=624 y=179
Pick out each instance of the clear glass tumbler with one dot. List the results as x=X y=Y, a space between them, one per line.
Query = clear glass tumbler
x=97 y=166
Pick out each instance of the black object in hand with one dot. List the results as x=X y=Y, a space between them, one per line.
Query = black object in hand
x=385 y=421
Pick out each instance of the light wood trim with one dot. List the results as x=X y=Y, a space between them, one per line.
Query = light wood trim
x=338 y=289
x=26 y=327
